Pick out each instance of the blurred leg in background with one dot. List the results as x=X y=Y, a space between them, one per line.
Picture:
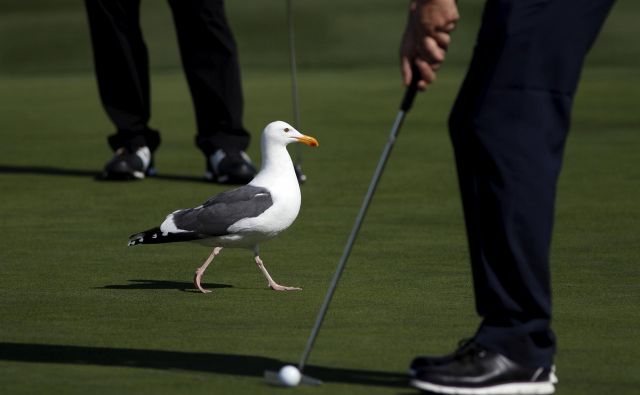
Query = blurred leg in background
x=210 y=61
x=122 y=71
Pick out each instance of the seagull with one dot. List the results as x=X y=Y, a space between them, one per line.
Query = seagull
x=246 y=216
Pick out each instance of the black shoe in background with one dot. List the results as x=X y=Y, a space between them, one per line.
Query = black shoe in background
x=129 y=165
x=477 y=370
x=229 y=167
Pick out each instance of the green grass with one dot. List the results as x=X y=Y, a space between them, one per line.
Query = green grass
x=104 y=318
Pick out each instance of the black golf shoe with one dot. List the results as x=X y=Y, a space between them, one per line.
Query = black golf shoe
x=478 y=371
x=129 y=165
x=423 y=361
x=229 y=167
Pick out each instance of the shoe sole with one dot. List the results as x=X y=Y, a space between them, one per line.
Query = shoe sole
x=136 y=175
x=209 y=176
x=502 y=389
x=128 y=176
x=552 y=376
x=225 y=179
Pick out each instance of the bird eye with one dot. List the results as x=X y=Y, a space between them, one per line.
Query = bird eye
x=286 y=130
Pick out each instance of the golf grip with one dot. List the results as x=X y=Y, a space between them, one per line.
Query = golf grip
x=407 y=101
x=410 y=93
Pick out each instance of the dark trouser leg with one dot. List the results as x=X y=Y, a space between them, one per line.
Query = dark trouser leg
x=210 y=61
x=122 y=70
x=508 y=129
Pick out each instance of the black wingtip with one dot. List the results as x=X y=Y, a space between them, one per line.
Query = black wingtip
x=147 y=237
x=155 y=236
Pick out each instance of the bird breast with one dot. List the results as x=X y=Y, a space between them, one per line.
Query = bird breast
x=277 y=218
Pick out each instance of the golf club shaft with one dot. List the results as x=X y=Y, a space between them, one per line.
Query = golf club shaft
x=404 y=107
x=294 y=76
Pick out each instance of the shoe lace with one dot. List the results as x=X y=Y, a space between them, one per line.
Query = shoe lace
x=463 y=345
x=468 y=349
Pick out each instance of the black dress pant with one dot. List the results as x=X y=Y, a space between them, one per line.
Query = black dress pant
x=209 y=58
x=508 y=128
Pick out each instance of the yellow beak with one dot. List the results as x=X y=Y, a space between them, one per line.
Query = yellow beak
x=308 y=140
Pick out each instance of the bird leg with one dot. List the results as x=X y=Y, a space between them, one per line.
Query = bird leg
x=201 y=269
x=272 y=284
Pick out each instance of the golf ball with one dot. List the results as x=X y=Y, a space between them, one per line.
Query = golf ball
x=289 y=376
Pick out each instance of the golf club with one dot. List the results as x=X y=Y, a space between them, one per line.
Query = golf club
x=294 y=91
x=407 y=101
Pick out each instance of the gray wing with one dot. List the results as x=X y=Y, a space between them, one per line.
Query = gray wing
x=218 y=213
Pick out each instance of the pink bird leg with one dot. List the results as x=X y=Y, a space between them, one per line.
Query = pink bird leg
x=201 y=269
x=272 y=284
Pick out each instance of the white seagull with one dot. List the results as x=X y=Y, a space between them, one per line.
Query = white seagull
x=243 y=217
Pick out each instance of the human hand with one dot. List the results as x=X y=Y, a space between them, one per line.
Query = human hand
x=426 y=39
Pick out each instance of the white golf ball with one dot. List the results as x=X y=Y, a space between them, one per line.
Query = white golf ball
x=289 y=376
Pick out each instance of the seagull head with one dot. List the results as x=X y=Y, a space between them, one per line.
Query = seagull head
x=281 y=133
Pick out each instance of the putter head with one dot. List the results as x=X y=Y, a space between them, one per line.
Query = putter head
x=271 y=377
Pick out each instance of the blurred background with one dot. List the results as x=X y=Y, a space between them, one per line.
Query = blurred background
x=46 y=37
x=340 y=44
